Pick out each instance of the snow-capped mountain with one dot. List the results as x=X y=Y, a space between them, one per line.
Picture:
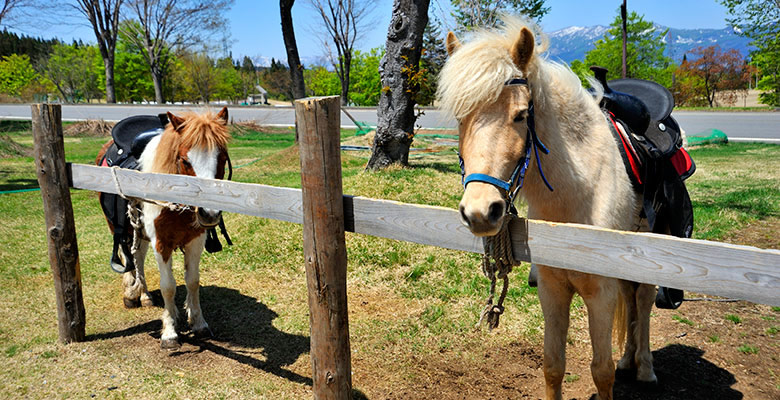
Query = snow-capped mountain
x=573 y=42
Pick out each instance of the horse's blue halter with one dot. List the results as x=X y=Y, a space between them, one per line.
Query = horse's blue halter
x=532 y=142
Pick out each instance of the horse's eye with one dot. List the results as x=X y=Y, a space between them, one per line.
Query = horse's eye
x=519 y=117
x=185 y=162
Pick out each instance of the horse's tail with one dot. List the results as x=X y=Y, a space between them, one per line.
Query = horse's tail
x=619 y=328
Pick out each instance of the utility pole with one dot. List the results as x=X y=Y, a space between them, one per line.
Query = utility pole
x=625 y=37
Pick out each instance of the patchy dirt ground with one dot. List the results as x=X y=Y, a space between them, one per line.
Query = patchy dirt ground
x=699 y=351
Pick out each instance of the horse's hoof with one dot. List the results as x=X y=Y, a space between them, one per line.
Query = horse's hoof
x=147 y=302
x=131 y=303
x=170 y=344
x=204 y=333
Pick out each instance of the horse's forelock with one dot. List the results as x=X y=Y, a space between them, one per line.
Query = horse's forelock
x=476 y=72
x=197 y=131
x=203 y=131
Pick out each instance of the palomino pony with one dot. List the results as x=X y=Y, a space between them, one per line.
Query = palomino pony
x=499 y=88
x=195 y=145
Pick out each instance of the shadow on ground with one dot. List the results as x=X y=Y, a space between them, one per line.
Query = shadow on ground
x=239 y=322
x=682 y=374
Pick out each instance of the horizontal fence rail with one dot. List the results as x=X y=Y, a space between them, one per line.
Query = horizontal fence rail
x=741 y=272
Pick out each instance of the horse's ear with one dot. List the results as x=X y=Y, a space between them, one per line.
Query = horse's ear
x=523 y=49
x=175 y=121
x=223 y=116
x=452 y=43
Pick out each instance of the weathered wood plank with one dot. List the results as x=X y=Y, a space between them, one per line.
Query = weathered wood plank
x=324 y=246
x=60 y=225
x=251 y=199
x=741 y=272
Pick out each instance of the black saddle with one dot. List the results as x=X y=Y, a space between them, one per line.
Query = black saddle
x=131 y=135
x=644 y=108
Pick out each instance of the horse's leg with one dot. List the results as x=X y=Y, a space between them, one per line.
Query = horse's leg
x=146 y=298
x=555 y=295
x=192 y=253
x=169 y=339
x=645 y=297
x=627 y=363
x=600 y=295
x=134 y=282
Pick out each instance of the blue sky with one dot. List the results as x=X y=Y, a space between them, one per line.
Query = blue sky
x=256 y=28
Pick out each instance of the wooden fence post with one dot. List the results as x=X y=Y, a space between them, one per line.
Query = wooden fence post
x=324 y=249
x=60 y=226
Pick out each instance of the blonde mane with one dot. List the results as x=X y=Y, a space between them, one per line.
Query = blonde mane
x=476 y=72
x=197 y=131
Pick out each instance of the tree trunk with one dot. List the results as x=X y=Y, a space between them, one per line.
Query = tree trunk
x=108 y=63
x=623 y=16
x=158 y=89
x=346 y=66
x=293 y=59
x=395 y=114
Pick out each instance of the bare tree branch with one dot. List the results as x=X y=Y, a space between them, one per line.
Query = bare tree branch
x=157 y=27
x=345 y=21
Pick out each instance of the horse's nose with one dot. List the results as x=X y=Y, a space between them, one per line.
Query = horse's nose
x=208 y=217
x=483 y=221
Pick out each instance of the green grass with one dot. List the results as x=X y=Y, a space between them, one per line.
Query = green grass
x=733 y=318
x=713 y=338
x=747 y=349
x=407 y=301
x=682 y=320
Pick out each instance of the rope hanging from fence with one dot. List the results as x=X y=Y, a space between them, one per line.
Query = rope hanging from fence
x=497 y=263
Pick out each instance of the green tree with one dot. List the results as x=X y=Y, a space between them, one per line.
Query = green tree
x=75 y=70
x=365 y=84
x=276 y=80
x=17 y=74
x=432 y=60
x=321 y=82
x=644 y=51
x=760 y=21
x=132 y=81
x=486 y=13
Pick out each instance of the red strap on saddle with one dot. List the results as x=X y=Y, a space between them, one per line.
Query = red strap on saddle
x=633 y=160
x=104 y=162
x=682 y=162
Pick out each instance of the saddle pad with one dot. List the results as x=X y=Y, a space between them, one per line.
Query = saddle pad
x=658 y=99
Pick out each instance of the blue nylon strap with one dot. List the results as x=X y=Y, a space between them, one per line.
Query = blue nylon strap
x=486 y=179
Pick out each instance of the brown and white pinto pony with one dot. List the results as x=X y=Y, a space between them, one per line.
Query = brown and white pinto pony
x=584 y=167
x=195 y=145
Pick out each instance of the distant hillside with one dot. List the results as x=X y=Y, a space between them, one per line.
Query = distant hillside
x=573 y=42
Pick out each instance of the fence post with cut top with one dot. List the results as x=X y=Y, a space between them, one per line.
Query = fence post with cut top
x=324 y=248
x=60 y=225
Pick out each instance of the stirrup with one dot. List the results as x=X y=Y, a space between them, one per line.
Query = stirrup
x=668 y=298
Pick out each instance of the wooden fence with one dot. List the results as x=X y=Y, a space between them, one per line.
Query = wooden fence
x=734 y=271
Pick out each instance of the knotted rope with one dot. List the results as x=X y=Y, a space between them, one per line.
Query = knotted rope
x=497 y=263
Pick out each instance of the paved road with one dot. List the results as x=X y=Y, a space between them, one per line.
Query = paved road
x=737 y=125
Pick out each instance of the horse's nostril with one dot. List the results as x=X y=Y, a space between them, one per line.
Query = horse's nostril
x=496 y=211
x=463 y=215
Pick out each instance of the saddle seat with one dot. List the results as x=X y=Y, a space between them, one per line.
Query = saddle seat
x=131 y=135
